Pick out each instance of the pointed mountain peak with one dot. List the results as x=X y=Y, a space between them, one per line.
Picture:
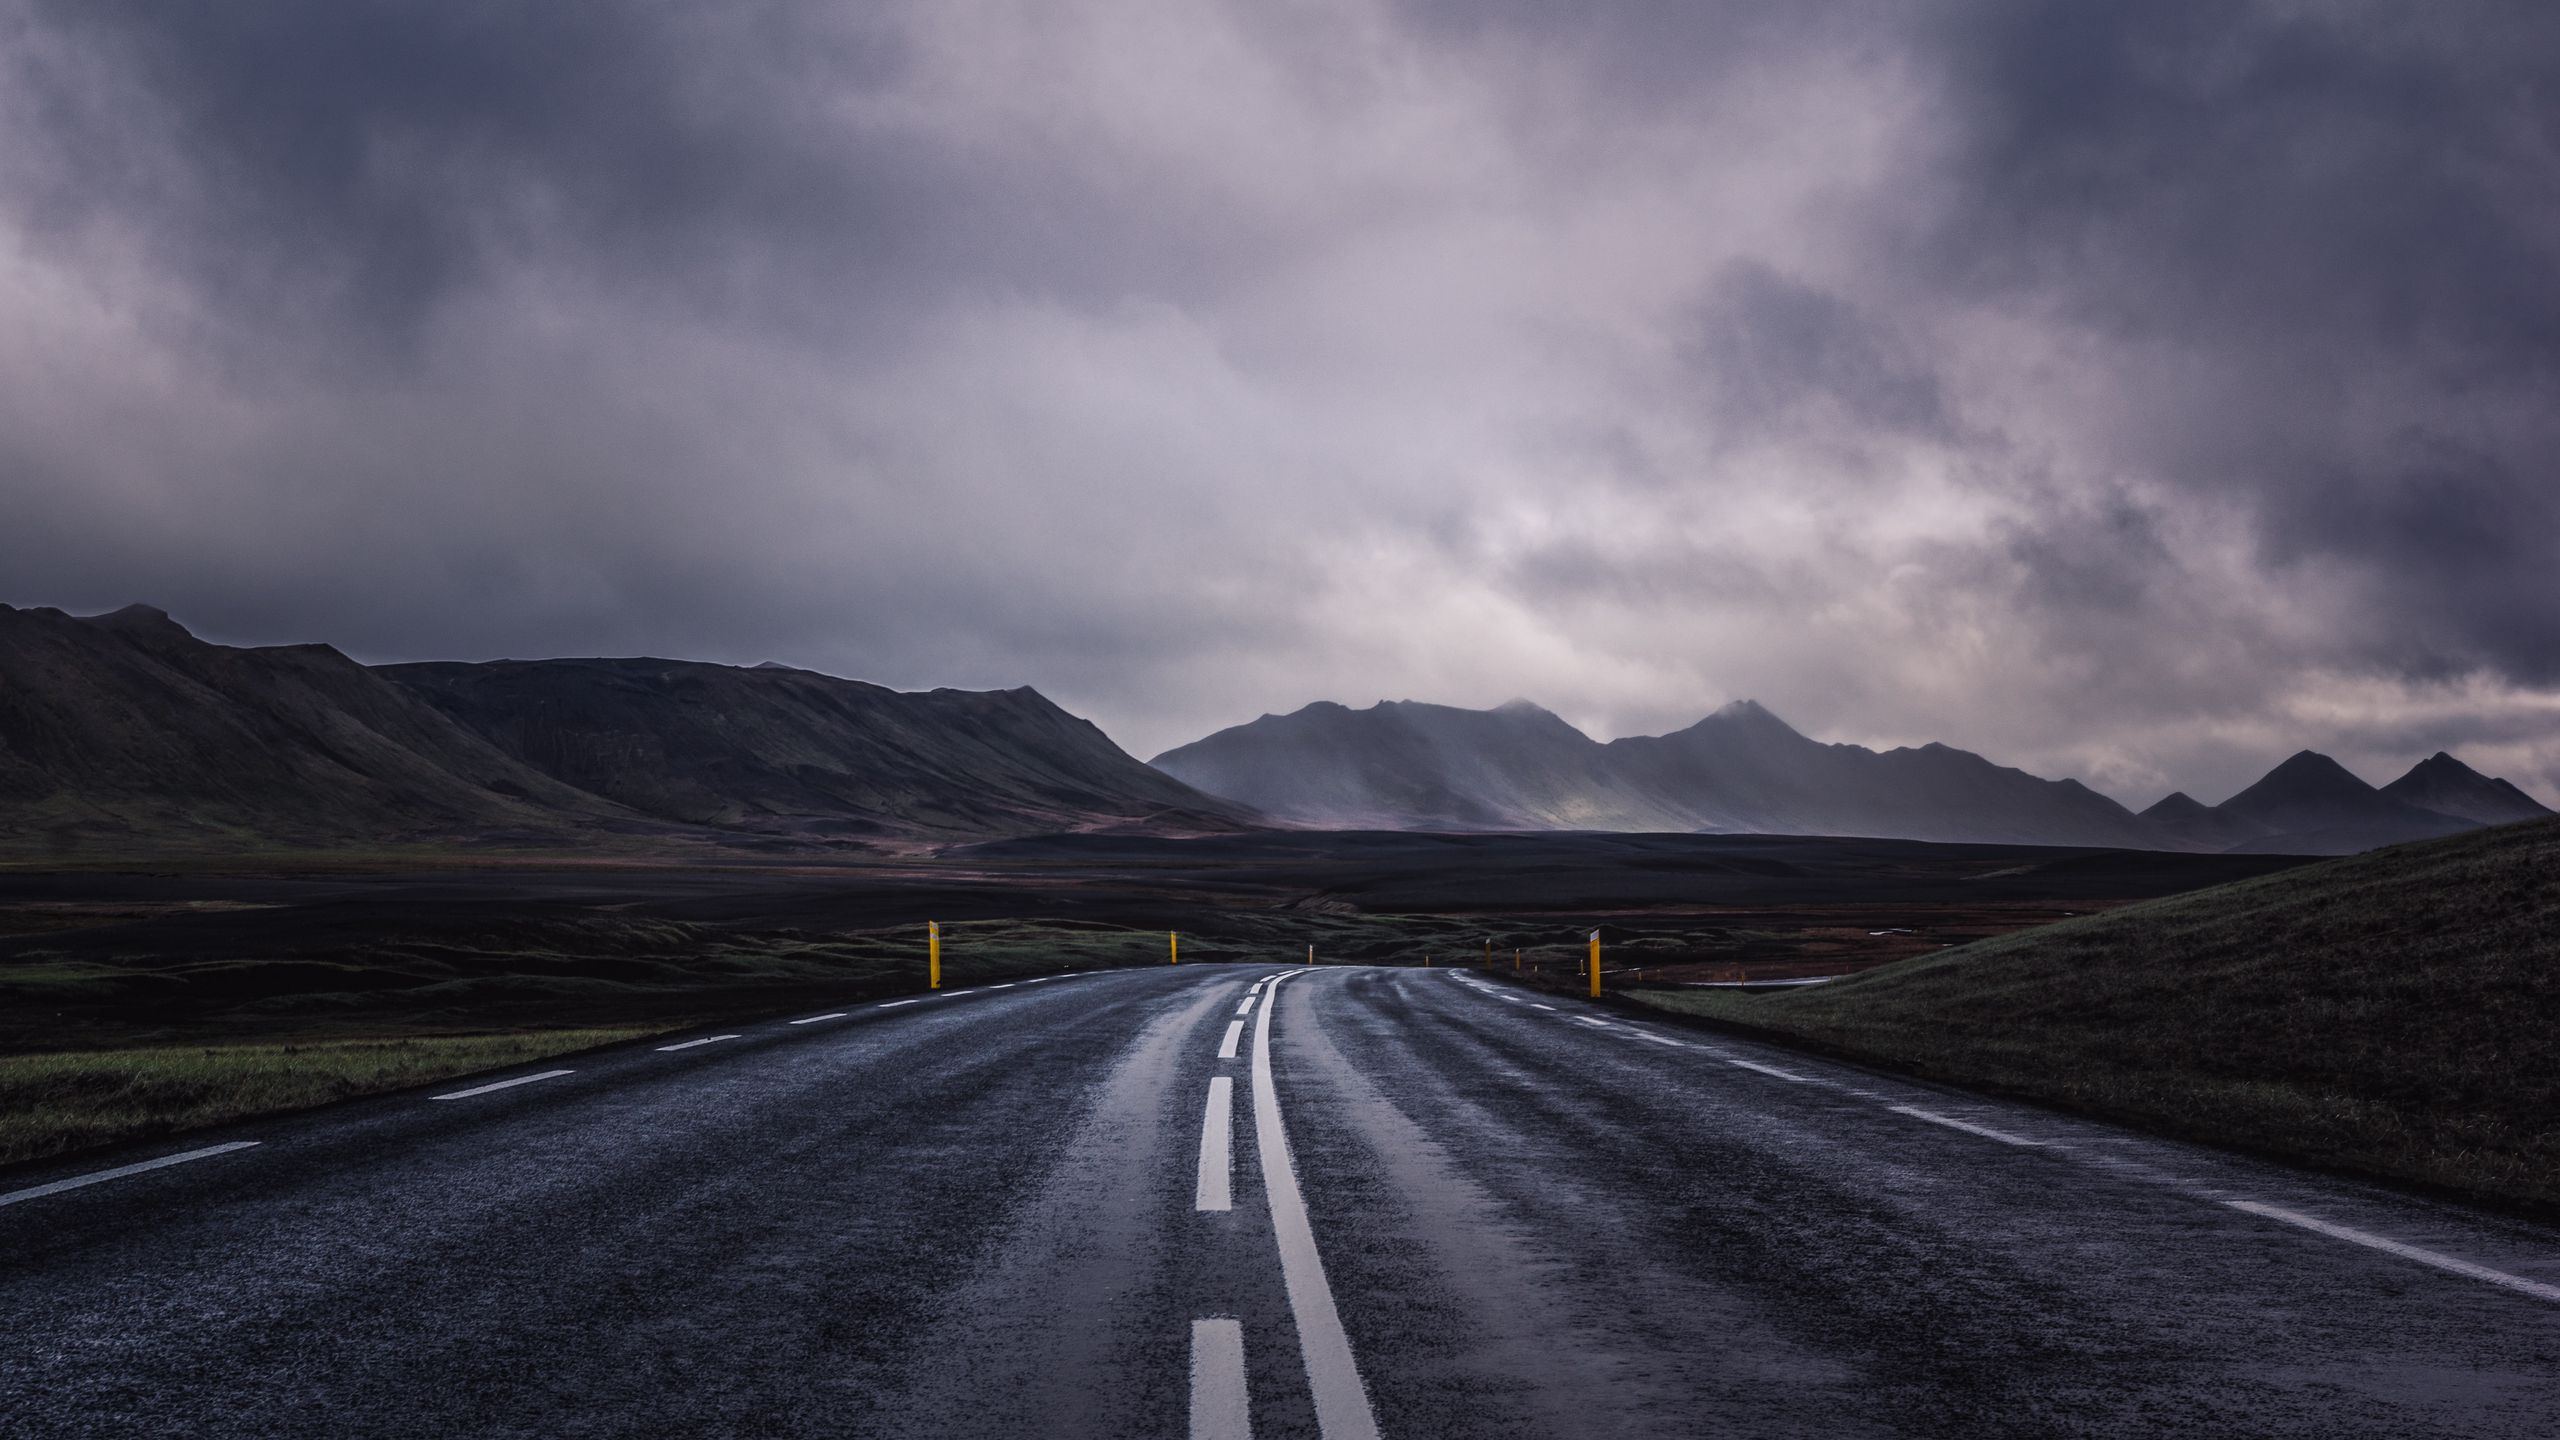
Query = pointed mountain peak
x=2308 y=768
x=2175 y=805
x=1753 y=714
x=1519 y=705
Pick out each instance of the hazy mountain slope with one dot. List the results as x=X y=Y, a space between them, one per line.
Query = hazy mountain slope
x=2397 y=1013
x=2448 y=787
x=124 y=729
x=2312 y=805
x=1402 y=765
x=793 y=753
x=1744 y=769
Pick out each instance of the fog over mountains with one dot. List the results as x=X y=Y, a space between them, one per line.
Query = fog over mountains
x=1408 y=765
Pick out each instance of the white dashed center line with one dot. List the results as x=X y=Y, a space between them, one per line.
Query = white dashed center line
x=75 y=1182
x=1534 y=1005
x=1217 y=1147
x=894 y=1004
x=1245 y=1007
x=689 y=1044
x=1219 y=1408
x=502 y=1085
x=1227 y=1047
x=814 y=1019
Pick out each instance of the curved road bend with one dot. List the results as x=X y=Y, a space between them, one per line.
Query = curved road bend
x=1064 y=1208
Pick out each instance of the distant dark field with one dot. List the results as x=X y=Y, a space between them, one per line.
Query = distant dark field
x=134 y=1001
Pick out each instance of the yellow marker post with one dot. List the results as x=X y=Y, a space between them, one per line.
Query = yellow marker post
x=932 y=956
x=1595 y=964
x=1311 y=954
x=1173 y=947
x=1515 y=962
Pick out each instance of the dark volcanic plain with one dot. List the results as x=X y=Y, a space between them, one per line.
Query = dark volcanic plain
x=213 y=956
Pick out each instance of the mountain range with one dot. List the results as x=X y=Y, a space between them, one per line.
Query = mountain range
x=1403 y=765
x=125 y=732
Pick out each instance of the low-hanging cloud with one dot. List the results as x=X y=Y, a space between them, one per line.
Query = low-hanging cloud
x=2138 y=392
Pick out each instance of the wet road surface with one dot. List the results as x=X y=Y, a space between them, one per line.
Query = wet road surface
x=1229 y=1201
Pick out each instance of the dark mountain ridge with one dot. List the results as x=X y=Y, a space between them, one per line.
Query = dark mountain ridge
x=1742 y=770
x=125 y=732
x=789 y=752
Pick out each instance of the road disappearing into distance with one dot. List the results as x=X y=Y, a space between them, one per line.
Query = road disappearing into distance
x=1224 y=1201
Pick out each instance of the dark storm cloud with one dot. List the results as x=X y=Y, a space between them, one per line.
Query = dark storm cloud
x=369 y=159
x=1779 y=354
x=2140 y=390
x=2349 y=217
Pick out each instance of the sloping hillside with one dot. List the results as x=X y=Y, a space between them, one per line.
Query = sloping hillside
x=124 y=730
x=124 y=734
x=792 y=753
x=2396 y=1012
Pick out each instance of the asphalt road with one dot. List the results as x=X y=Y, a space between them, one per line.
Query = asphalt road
x=998 y=1213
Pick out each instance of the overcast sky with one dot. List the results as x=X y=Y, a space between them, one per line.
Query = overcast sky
x=2138 y=392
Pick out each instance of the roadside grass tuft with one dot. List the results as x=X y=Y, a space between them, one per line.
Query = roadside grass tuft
x=50 y=1104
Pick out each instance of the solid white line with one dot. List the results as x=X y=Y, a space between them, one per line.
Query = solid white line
x=1219 y=1408
x=501 y=1085
x=1217 y=1147
x=1227 y=1047
x=814 y=1019
x=894 y=1004
x=1342 y=1404
x=2003 y=1136
x=118 y=1173
x=2535 y=1288
x=1766 y=1069
x=689 y=1044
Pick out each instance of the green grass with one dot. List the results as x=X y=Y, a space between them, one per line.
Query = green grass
x=54 y=1103
x=2395 y=1014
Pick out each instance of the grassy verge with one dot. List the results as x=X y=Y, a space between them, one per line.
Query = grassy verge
x=2395 y=1014
x=50 y=1104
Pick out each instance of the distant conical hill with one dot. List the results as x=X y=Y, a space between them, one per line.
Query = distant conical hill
x=2449 y=787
